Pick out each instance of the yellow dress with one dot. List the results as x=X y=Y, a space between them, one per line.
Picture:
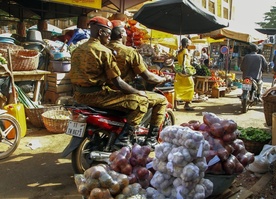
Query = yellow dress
x=184 y=85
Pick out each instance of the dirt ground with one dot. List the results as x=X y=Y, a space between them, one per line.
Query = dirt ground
x=42 y=173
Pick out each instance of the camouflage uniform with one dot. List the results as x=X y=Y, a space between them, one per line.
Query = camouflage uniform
x=92 y=65
x=130 y=63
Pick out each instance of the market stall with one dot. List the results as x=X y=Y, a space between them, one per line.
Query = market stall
x=35 y=75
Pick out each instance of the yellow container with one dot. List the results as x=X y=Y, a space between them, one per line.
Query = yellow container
x=170 y=96
x=233 y=76
x=18 y=111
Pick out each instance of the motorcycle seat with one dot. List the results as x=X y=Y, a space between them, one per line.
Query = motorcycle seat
x=96 y=110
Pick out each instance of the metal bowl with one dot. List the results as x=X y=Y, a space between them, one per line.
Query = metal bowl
x=34 y=36
x=34 y=46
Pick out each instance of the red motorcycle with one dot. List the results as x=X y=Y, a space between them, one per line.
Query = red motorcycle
x=95 y=130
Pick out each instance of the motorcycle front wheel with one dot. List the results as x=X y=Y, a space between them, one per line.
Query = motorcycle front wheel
x=10 y=135
x=169 y=118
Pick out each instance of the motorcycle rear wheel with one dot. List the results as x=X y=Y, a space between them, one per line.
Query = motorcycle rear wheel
x=10 y=135
x=244 y=105
x=81 y=160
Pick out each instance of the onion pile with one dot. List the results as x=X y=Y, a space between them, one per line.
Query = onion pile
x=227 y=154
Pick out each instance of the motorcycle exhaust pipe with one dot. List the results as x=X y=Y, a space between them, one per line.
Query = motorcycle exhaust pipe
x=100 y=155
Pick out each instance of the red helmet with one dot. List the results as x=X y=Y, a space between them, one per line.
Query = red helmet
x=101 y=21
x=117 y=23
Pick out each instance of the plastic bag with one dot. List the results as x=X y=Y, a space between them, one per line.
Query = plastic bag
x=262 y=161
x=188 y=69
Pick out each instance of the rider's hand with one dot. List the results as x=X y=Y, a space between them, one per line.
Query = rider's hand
x=168 y=78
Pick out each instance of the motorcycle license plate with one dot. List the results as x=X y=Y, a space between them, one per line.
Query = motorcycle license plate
x=76 y=129
x=246 y=87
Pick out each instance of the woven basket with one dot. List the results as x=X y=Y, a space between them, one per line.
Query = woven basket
x=56 y=121
x=5 y=46
x=253 y=146
x=269 y=102
x=22 y=60
x=34 y=114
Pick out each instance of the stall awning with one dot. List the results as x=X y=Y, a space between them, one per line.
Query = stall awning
x=227 y=33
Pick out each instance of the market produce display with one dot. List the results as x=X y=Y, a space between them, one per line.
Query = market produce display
x=254 y=134
x=227 y=154
x=125 y=176
x=180 y=165
x=186 y=154
x=102 y=182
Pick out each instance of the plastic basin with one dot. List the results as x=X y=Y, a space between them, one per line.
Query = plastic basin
x=220 y=182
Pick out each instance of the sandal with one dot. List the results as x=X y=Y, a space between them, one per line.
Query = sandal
x=188 y=108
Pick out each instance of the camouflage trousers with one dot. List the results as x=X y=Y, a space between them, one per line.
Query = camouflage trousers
x=158 y=103
x=134 y=105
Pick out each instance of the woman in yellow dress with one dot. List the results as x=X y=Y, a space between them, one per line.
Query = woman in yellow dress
x=184 y=84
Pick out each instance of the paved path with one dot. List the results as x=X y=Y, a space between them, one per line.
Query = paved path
x=228 y=107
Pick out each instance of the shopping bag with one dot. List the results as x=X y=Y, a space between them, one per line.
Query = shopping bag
x=263 y=161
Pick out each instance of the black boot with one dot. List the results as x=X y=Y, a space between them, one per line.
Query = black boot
x=123 y=140
x=151 y=139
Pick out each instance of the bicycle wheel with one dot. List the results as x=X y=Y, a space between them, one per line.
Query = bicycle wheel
x=10 y=135
x=273 y=82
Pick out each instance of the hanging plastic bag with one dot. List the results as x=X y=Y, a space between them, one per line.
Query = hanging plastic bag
x=188 y=69
x=263 y=161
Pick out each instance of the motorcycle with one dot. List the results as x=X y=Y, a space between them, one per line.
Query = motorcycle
x=249 y=93
x=10 y=134
x=94 y=131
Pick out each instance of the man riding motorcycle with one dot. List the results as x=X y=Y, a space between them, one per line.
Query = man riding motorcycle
x=93 y=67
x=253 y=65
x=131 y=64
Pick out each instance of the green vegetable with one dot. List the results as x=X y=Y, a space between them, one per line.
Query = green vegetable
x=254 y=134
x=24 y=99
x=2 y=59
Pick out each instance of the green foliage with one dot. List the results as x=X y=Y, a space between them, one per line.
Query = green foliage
x=203 y=71
x=269 y=19
x=2 y=59
x=254 y=134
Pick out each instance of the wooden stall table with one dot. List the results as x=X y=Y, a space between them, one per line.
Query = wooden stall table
x=33 y=75
x=202 y=84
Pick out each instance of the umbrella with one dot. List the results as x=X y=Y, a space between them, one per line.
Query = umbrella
x=177 y=17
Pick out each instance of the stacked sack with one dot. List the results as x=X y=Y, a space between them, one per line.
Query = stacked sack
x=180 y=165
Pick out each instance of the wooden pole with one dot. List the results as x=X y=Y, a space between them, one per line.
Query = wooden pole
x=11 y=75
x=273 y=128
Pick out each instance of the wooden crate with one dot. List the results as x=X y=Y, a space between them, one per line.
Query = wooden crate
x=51 y=97
x=59 y=78
x=59 y=83
x=218 y=92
